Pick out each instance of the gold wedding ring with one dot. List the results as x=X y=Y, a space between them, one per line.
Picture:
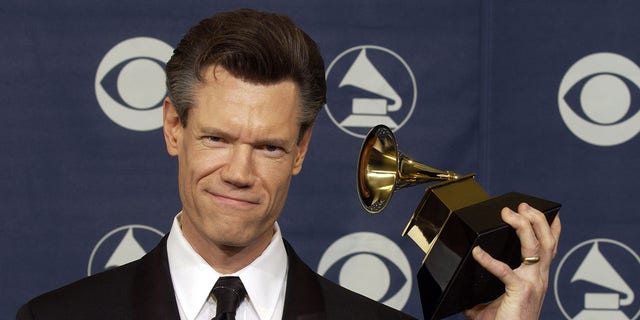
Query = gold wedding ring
x=531 y=260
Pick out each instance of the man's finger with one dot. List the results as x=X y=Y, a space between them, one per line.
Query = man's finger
x=529 y=244
x=497 y=268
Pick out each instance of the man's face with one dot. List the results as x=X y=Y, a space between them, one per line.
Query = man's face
x=236 y=157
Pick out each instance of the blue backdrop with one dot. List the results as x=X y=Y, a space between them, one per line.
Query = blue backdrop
x=537 y=97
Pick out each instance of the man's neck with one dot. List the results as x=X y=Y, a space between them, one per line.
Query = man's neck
x=225 y=259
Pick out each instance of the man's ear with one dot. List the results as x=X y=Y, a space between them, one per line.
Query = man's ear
x=302 y=147
x=172 y=127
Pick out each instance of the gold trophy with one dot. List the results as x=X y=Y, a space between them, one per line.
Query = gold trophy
x=454 y=215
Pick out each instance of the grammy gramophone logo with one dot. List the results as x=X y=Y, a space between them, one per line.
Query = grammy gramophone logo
x=369 y=85
x=598 y=279
x=121 y=246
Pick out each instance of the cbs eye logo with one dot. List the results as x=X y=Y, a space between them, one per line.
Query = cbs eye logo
x=370 y=264
x=602 y=81
x=133 y=73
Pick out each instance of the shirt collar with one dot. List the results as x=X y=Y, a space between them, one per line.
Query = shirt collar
x=193 y=278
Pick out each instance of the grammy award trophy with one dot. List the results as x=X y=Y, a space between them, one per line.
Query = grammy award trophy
x=454 y=215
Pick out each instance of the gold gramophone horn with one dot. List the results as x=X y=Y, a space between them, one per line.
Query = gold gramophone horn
x=382 y=169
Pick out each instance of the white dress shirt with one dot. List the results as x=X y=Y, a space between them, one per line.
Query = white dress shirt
x=264 y=279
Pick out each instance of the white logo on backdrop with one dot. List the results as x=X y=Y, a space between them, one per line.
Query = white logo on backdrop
x=588 y=284
x=364 y=270
x=121 y=246
x=140 y=83
x=362 y=95
x=604 y=117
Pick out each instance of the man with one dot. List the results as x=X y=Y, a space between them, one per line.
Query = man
x=244 y=90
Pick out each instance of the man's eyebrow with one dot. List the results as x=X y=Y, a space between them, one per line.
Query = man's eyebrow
x=267 y=141
x=214 y=131
x=273 y=142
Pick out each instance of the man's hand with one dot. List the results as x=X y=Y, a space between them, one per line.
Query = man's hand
x=525 y=286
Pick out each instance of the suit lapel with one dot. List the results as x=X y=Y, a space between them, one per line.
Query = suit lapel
x=153 y=295
x=303 y=299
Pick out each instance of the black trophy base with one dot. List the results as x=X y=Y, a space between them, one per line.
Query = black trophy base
x=450 y=280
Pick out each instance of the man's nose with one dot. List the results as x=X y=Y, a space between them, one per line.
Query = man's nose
x=238 y=170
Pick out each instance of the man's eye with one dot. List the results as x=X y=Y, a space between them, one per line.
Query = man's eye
x=271 y=148
x=212 y=140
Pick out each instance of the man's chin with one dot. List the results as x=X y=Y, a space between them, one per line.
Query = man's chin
x=246 y=241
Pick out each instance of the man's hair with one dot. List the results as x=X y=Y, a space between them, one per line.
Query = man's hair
x=255 y=46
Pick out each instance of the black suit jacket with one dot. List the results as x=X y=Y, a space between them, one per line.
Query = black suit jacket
x=143 y=290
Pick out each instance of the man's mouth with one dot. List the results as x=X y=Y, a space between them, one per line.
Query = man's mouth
x=234 y=200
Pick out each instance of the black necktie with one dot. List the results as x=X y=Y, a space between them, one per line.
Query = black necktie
x=229 y=292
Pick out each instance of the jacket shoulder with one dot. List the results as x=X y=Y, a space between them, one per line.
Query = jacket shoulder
x=312 y=296
x=108 y=292
x=340 y=301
